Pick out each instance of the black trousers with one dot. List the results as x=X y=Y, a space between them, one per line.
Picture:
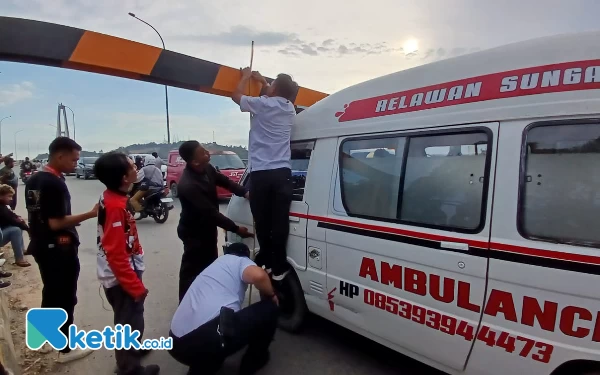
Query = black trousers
x=126 y=311
x=59 y=269
x=199 y=251
x=270 y=198
x=201 y=349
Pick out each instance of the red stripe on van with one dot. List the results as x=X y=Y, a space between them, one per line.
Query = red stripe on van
x=589 y=259
x=545 y=253
x=403 y=232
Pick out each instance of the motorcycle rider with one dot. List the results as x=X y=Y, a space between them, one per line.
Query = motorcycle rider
x=152 y=178
x=26 y=166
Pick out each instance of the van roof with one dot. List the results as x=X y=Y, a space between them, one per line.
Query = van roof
x=542 y=77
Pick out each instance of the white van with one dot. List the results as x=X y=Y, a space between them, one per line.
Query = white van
x=451 y=211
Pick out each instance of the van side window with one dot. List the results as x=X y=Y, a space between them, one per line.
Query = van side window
x=560 y=184
x=438 y=182
x=370 y=176
x=444 y=180
x=300 y=159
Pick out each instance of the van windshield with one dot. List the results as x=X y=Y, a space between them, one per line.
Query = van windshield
x=227 y=161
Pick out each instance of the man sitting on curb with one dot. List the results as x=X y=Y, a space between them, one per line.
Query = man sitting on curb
x=12 y=226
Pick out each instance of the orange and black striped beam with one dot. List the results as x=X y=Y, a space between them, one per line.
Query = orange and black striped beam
x=43 y=43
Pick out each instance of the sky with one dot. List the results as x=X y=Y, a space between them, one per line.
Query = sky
x=324 y=45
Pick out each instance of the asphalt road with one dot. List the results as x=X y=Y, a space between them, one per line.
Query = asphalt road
x=323 y=347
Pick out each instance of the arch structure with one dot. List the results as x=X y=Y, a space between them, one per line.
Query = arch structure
x=43 y=43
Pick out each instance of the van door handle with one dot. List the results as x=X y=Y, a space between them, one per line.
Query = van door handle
x=454 y=246
x=294 y=219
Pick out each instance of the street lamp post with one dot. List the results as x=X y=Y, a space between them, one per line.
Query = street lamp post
x=17 y=132
x=166 y=92
x=1 y=132
x=73 y=113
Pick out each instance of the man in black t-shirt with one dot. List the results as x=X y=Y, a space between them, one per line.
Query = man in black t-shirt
x=54 y=239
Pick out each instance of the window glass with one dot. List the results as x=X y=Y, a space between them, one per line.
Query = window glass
x=300 y=159
x=370 y=177
x=226 y=161
x=444 y=180
x=560 y=200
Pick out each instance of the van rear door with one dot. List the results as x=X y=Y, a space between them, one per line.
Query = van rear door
x=543 y=300
x=408 y=234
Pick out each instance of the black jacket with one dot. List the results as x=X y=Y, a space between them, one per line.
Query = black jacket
x=199 y=203
x=10 y=219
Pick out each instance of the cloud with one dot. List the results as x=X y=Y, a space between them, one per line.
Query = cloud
x=429 y=53
x=329 y=48
x=16 y=92
x=436 y=54
x=242 y=36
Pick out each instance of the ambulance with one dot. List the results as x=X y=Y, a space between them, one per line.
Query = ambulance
x=451 y=211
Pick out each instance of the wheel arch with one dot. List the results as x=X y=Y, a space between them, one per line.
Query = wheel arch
x=578 y=367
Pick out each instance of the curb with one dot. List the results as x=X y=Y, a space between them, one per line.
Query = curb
x=8 y=355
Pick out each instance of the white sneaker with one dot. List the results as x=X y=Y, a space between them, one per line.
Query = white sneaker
x=2 y=261
x=46 y=349
x=73 y=355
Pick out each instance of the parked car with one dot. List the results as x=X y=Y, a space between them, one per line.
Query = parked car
x=226 y=162
x=85 y=167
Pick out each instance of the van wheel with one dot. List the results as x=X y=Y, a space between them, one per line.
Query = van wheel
x=292 y=304
x=174 y=191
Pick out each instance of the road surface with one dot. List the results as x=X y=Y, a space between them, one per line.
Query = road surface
x=323 y=347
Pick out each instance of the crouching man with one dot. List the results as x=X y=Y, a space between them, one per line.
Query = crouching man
x=199 y=340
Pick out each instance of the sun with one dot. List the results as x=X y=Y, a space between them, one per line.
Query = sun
x=410 y=46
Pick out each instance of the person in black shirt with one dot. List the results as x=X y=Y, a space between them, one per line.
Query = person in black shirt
x=54 y=239
x=200 y=214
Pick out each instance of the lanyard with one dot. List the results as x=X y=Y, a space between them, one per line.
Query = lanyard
x=53 y=171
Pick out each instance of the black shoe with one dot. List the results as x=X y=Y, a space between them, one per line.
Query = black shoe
x=5 y=274
x=4 y=284
x=252 y=362
x=151 y=370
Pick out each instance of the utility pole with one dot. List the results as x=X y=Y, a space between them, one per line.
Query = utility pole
x=166 y=92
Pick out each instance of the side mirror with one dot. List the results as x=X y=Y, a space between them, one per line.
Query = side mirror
x=218 y=169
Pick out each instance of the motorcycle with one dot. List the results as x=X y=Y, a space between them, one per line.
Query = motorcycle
x=26 y=175
x=156 y=205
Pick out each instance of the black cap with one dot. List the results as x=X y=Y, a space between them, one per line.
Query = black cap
x=238 y=249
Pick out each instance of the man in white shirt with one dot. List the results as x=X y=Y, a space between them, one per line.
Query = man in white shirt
x=197 y=341
x=158 y=162
x=269 y=155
